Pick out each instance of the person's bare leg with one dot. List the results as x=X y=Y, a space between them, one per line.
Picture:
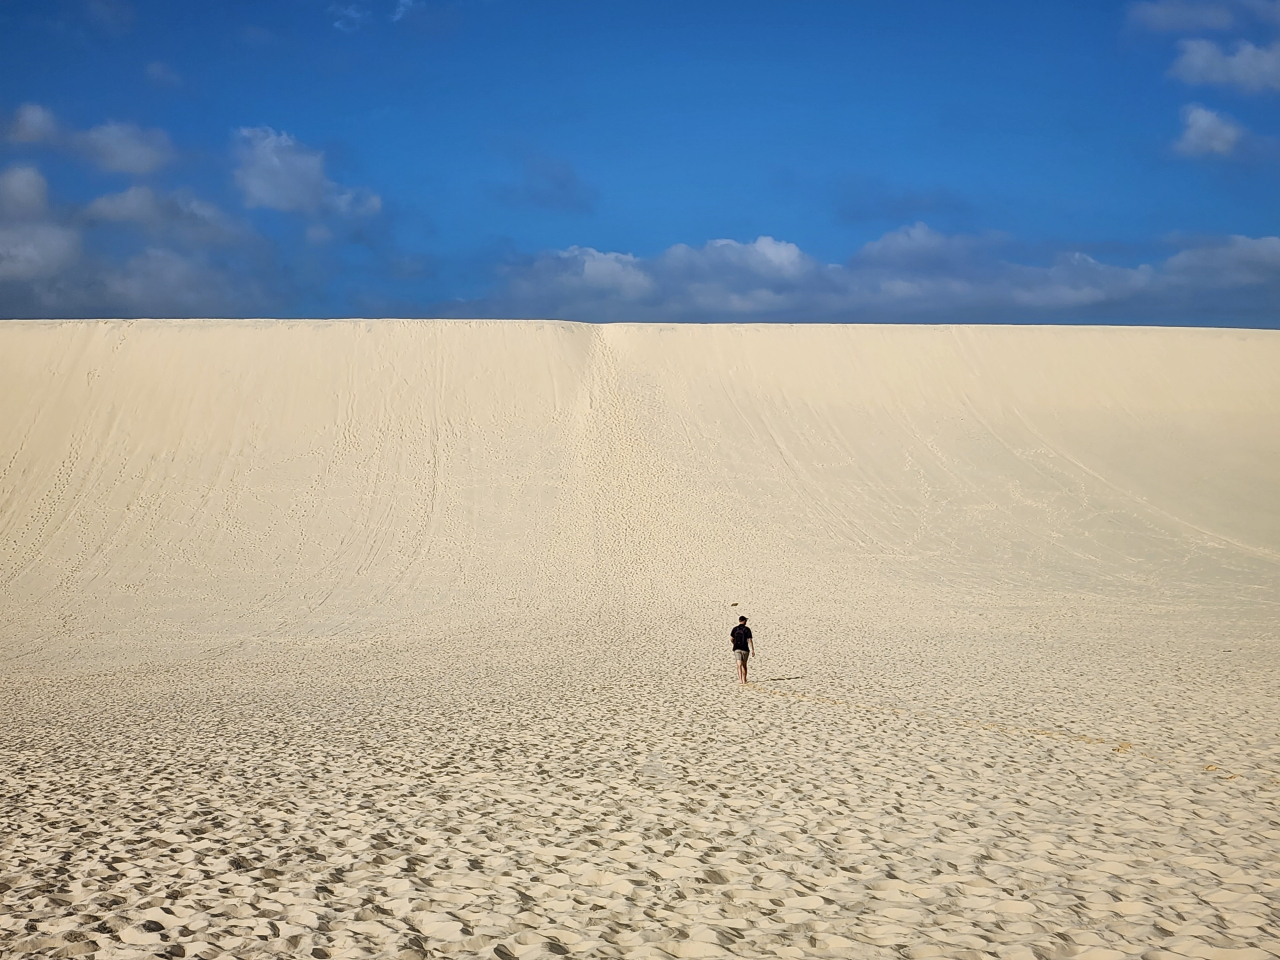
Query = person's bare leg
x=744 y=668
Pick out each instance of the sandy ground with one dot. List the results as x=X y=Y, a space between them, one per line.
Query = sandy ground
x=410 y=639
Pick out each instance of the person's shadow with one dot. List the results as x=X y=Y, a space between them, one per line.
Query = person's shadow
x=772 y=679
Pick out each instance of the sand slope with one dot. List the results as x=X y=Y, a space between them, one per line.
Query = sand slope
x=217 y=479
x=409 y=637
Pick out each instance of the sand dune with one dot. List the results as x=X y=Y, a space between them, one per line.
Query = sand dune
x=409 y=638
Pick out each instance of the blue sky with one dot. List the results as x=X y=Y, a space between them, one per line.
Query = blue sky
x=907 y=161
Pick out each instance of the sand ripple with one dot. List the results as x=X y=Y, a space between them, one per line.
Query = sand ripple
x=340 y=807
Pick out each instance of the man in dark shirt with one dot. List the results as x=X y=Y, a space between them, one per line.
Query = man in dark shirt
x=743 y=647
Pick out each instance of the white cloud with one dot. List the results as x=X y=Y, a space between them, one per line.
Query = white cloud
x=1239 y=262
x=1248 y=67
x=1181 y=15
x=30 y=247
x=137 y=204
x=190 y=267
x=184 y=216
x=197 y=261
x=913 y=273
x=115 y=147
x=403 y=7
x=33 y=123
x=918 y=246
x=584 y=270
x=276 y=172
x=1206 y=132
x=166 y=283
x=610 y=273
x=723 y=275
x=126 y=147
x=23 y=194
x=193 y=269
x=348 y=17
x=763 y=257
x=48 y=279
x=354 y=200
x=32 y=251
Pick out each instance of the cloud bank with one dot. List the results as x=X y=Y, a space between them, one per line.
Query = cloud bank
x=913 y=273
x=31 y=247
x=1249 y=68
x=184 y=268
x=149 y=251
x=195 y=259
x=112 y=146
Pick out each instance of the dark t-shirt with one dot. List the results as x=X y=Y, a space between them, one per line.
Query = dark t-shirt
x=740 y=635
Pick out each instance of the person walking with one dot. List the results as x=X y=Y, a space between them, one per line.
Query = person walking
x=743 y=647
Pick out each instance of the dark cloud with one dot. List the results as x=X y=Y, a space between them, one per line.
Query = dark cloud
x=23 y=193
x=32 y=246
x=548 y=183
x=61 y=279
x=35 y=251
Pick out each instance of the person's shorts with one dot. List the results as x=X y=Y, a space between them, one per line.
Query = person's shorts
x=741 y=655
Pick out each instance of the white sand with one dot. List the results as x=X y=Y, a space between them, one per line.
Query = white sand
x=410 y=639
